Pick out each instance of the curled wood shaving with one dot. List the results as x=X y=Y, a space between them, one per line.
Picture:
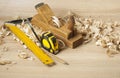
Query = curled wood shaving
x=4 y=31
x=104 y=33
x=1 y=41
x=30 y=58
x=8 y=33
x=23 y=54
x=56 y=21
x=25 y=46
x=4 y=62
x=27 y=30
x=111 y=52
x=21 y=43
x=1 y=35
x=38 y=44
x=4 y=49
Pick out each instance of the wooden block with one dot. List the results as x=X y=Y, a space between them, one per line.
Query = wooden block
x=72 y=42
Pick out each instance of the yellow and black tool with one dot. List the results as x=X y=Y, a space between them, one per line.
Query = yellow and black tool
x=49 y=42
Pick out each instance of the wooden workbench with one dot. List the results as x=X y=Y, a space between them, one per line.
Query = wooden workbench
x=86 y=61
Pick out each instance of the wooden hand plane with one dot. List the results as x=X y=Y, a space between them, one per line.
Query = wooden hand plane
x=67 y=32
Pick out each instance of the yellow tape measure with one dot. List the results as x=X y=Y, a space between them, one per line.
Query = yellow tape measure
x=30 y=44
x=49 y=42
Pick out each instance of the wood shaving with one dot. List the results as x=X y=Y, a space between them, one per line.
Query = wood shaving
x=38 y=44
x=1 y=35
x=26 y=29
x=4 y=49
x=4 y=31
x=21 y=43
x=25 y=46
x=17 y=39
x=111 y=52
x=24 y=55
x=1 y=41
x=4 y=62
x=104 y=33
x=31 y=58
x=56 y=21
x=8 y=33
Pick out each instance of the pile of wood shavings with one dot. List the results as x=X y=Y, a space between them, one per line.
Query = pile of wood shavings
x=26 y=29
x=3 y=32
x=105 y=34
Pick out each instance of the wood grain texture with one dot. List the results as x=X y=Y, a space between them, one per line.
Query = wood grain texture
x=86 y=61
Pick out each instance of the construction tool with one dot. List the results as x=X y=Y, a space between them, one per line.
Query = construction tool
x=40 y=41
x=67 y=32
x=9 y=25
x=47 y=40
x=30 y=44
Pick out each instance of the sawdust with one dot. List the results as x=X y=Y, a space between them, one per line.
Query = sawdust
x=5 y=49
x=105 y=34
x=1 y=41
x=102 y=32
x=56 y=22
x=24 y=55
x=4 y=62
x=7 y=61
x=3 y=33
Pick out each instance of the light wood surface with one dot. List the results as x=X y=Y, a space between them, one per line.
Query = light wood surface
x=86 y=61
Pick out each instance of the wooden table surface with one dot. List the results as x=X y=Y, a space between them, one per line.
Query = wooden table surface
x=86 y=61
